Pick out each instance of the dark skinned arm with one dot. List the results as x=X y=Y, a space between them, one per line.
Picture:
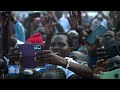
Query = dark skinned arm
x=48 y=56
x=49 y=30
x=6 y=34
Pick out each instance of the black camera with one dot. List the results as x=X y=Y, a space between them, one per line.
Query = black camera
x=37 y=47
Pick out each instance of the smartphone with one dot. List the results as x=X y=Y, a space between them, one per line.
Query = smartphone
x=28 y=52
x=115 y=74
x=97 y=31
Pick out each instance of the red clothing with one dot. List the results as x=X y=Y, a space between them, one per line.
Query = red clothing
x=35 y=39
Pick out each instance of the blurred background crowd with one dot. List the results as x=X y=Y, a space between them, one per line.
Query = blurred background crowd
x=62 y=34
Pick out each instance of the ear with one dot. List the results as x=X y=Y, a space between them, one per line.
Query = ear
x=71 y=49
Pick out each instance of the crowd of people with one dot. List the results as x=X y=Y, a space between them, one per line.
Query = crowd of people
x=65 y=52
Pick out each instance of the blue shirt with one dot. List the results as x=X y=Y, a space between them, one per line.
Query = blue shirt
x=64 y=23
x=19 y=31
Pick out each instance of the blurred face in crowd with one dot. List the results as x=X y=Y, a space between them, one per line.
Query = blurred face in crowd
x=49 y=75
x=59 y=44
x=100 y=18
x=114 y=63
x=36 y=23
x=54 y=73
x=78 y=56
x=75 y=39
x=58 y=14
x=42 y=32
x=108 y=39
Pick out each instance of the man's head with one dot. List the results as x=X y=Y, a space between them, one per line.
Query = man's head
x=113 y=63
x=42 y=32
x=108 y=39
x=54 y=73
x=58 y=14
x=62 y=44
x=36 y=22
x=78 y=56
x=100 y=17
x=75 y=38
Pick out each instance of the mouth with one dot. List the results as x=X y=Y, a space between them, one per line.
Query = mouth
x=107 y=43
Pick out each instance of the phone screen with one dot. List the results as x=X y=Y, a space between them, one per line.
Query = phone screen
x=97 y=31
x=28 y=52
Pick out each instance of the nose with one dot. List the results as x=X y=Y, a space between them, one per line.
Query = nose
x=107 y=37
x=56 y=47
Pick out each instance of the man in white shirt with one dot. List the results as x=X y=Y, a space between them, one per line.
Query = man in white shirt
x=62 y=20
x=100 y=20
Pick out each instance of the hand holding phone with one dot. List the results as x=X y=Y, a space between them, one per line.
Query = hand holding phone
x=96 y=31
x=106 y=53
x=28 y=53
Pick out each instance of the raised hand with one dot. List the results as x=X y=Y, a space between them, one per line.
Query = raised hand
x=73 y=19
x=101 y=66
x=49 y=26
x=92 y=48
x=48 y=56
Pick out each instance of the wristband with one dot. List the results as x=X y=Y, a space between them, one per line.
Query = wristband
x=68 y=63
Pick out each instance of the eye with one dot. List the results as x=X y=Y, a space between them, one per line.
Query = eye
x=62 y=44
x=52 y=44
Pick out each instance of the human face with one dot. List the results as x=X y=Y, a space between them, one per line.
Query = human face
x=108 y=39
x=75 y=39
x=50 y=75
x=78 y=56
x=113 y=63
x=58 y=14
x=59 y=45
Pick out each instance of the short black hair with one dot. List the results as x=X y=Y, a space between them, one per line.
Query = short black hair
x=69 y=39
x=60 y=74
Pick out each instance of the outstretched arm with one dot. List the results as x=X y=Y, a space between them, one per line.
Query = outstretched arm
x=47 y=56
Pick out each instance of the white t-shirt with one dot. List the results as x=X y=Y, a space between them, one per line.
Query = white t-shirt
x=97 y=22
x=19 y=42
x=64 y=23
